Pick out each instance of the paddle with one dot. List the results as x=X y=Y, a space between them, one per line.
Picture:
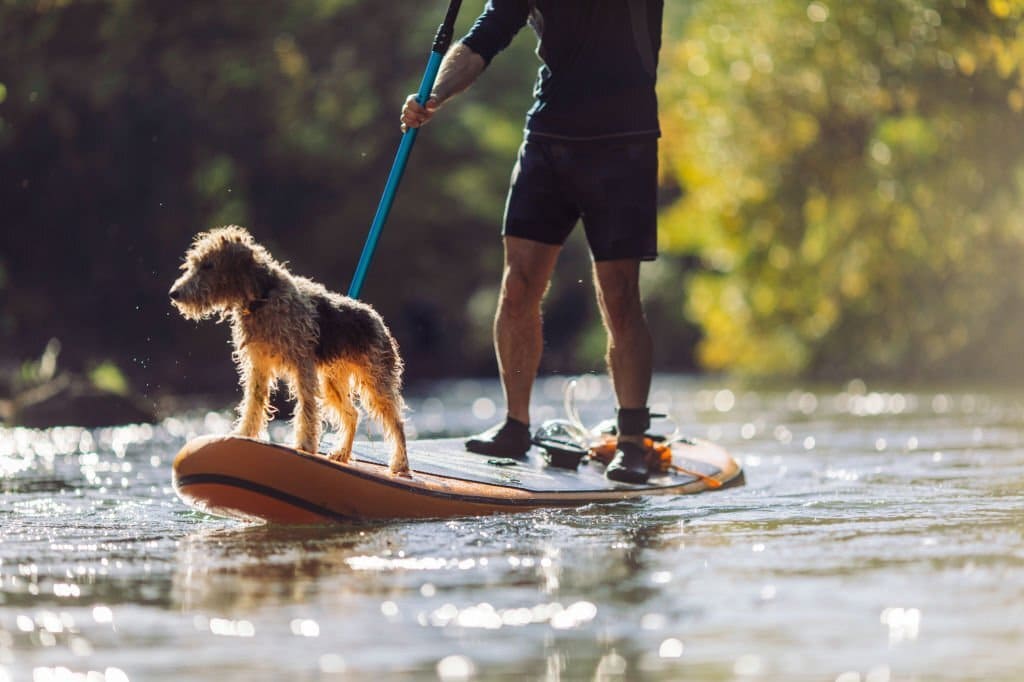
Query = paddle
x=442 y=41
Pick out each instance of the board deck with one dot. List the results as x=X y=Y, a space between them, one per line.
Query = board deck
x=252 y=479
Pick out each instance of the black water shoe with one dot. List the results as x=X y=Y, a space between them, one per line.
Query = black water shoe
x=511 y=439
x=629 y=464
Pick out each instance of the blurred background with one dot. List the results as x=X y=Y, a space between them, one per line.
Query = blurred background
x=842 y=186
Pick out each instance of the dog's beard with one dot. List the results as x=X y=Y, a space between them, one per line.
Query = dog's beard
x=197 y=311
x=194 y=301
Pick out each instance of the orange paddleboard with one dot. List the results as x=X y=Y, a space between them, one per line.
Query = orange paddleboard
x=252 y=479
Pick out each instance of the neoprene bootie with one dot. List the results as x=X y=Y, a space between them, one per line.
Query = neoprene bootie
x=511 y=439
x=629 y=464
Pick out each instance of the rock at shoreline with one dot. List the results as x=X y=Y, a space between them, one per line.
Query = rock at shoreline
x=71 y=401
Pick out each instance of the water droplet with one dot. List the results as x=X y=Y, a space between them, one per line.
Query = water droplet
x=455 y=667
x=661 y=578
x=670 y=648
x=725 y=400
x=304 y=627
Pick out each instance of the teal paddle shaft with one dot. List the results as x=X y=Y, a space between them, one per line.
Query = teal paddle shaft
x=442 y=41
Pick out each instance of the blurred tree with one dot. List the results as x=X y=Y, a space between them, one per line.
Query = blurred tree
x=853 y=184
x=127 y=127
x=842 y=179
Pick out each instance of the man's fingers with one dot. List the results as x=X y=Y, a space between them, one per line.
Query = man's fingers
x=412 y=120
x=415 y=114
x=411 y=104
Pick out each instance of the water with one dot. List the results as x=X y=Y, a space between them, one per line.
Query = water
x=879 y=538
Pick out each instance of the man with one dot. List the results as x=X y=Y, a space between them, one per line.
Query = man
x=590 y=152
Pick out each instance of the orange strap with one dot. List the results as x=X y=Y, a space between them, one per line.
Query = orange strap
x=659 y=458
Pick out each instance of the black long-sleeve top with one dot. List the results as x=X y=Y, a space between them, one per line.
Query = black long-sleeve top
x=596 y=80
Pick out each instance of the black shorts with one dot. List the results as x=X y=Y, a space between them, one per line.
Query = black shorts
x=612 y=185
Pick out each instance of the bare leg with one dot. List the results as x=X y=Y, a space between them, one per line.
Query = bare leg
x=518 y=338
x=253 y=412
x=629 y=339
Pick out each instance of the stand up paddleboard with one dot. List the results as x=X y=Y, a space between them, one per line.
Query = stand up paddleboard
x=255 y=480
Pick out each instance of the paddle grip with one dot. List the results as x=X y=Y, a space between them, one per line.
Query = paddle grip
x=443 y=39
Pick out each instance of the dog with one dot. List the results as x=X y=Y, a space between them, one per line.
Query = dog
x=328 y=347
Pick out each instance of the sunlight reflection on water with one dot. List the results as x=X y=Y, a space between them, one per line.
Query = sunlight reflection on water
x=879 y=538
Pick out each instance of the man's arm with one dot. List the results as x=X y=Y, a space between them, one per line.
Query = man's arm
x=459 y=69
x=492 y=32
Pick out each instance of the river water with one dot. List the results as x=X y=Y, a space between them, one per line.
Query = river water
x=878 y=538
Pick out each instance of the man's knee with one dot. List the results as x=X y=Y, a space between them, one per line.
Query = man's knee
x=528 y=267
x=522 y=289
x=618 y=289
x=628 y=320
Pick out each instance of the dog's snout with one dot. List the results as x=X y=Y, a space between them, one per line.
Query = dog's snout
x=175 y=294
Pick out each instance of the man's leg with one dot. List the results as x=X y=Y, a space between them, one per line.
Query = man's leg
x=518 y=337
x=518 y=341
x=629 y=361
x=629 y=339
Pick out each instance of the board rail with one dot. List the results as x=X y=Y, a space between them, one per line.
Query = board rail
x=255 y=480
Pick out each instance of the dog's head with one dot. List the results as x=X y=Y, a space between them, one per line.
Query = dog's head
x=224 y=269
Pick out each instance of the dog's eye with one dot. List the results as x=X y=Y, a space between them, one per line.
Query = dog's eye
x=206 y=266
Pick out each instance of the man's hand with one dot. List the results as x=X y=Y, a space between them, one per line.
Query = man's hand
x=459 y=69
x=415 y=114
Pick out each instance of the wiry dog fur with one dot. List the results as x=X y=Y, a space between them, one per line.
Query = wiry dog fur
x=327 y=346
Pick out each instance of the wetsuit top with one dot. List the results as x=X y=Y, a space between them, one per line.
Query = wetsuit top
x=597 y=78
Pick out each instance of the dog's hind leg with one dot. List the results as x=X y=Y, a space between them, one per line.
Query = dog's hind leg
x=305 y=385
x=338 y=395
x=391 y=419
x=254 y=410
x=384 y=401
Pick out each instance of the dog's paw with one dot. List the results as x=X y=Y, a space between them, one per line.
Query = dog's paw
x=400 y=466
x=342 y=456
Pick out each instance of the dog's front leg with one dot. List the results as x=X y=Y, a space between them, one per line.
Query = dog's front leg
x=307 y=408
x=253 y=412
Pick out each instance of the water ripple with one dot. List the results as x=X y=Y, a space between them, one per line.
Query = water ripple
x=878 y=538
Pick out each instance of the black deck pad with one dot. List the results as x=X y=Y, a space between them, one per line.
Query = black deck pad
x=449 y=458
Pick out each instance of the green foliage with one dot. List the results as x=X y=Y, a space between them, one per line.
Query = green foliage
x=34 y=372
x=106 y=376
x=845 y=181
x=133 y=125
x=851 y=184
